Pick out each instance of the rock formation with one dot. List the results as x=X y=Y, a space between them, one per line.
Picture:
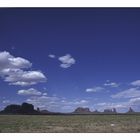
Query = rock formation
x=25 y=108
x=130 y=110
x=110 y=111
x=81 y=110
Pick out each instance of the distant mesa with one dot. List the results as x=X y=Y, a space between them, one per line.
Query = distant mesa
x=130 y=110
x=81 y=110
x=28 y=109
x=38 y=109
x=114 y=110
x=110 y=110
x=12 y=109
x=25 y=108
x=45 y=111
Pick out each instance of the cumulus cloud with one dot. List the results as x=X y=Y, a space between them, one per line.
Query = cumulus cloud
x=66 y=61
x=111 y=84
x=24 y=78
x=51 y=56
x=14 y=70
x=136 y=83
x=30 y=91
x=54 y=103
x=129 y=93
x=9 y=61
x=94 y=89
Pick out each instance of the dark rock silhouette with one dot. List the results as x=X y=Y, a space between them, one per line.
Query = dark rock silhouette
x=25 y=108
x=82 y=110
x=28 y=109
x=38 y=109
x=12 y=109
x=130 y=110
x=114 y=110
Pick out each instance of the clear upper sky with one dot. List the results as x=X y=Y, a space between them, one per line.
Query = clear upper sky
x=60 y=59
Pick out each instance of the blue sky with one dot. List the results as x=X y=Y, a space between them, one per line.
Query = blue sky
x=60 y=59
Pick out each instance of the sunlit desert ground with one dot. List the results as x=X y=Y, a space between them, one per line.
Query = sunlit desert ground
x=69 y=123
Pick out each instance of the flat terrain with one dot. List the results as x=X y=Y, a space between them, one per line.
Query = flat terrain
x=69 y=123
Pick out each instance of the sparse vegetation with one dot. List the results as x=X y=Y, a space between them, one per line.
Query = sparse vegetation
x=69 y=123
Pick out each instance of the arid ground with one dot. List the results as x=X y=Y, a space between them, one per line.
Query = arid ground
x=69 y=123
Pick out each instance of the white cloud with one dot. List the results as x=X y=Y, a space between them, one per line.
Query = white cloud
x=80 y=102
x=136 y=83
x=129 y=93
x=12 y=70
x=124 y=105
x=51 y=56
x=5 y=101
x=25 y=78
x=111 y=84
x=66 y=61
x=135 y=101
x=102 y=104
x=9 y=61
x=94 y=89
x=44 y=94
x=56 y=104
x=30 y=91
x=110 y=105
